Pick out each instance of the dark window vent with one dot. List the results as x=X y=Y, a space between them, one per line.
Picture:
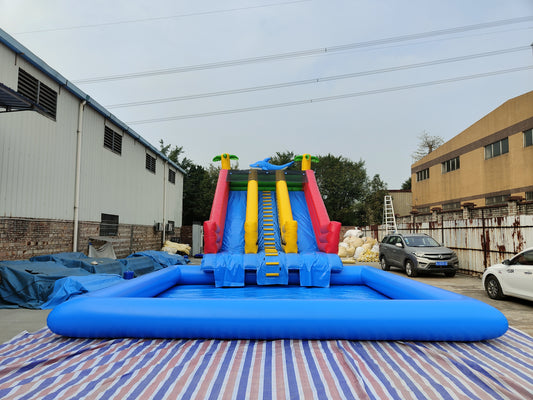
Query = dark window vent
x=38 y=92
x=112 y=140
x=171 y=176
x=28 y=86
x=150 y=163
x=109 y=225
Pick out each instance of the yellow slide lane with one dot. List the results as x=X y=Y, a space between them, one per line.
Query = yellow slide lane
x=288 y=226
x=251 y=224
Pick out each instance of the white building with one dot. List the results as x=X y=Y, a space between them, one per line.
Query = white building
x=71 y=171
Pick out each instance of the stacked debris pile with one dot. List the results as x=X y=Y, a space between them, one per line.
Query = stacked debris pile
x=358 y=247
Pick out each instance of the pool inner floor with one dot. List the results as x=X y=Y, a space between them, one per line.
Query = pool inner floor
x=348 y=292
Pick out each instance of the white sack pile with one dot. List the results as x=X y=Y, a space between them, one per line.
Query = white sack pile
x=173 y=248
x=362 y=249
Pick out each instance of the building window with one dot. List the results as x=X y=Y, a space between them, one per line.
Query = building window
x=490 y=201
x=497 y=149
x=150 y=163
x=422 y=175
x=451 y=206
x=109 y=225
x=450 y=165
x=171 y=176
x=112 y=140
x=529 y=196
x=38 y=92
x=528 y=138
x=423 y=210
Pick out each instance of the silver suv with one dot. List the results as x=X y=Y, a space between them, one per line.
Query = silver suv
x=416 y=253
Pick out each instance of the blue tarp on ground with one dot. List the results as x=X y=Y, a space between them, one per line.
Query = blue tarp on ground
x=46 y=281
x=80 y=260
x=29 y=283
x=140 y=265
x=161 y=257
x=71 y=286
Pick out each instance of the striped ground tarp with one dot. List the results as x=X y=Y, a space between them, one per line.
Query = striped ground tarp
x=42 y=365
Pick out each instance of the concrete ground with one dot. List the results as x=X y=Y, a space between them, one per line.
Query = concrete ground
x=518 y=312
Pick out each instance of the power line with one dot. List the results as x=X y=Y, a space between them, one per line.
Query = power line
x=301 y=53
x=132 y=21
x=317 y=80
x=330 y=98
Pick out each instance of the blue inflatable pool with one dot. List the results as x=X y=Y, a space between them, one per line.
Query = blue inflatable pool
x=362 y=303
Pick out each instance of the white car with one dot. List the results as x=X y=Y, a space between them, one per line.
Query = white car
x=512 y=277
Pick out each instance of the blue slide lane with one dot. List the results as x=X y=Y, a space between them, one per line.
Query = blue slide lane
x=233 y=241
x=306 y=235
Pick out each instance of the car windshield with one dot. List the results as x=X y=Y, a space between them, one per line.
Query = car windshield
x=421 y=241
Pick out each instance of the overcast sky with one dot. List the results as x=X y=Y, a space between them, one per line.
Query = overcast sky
x=208 y=46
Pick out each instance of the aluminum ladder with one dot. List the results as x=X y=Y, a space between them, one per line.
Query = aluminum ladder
x=389 y=220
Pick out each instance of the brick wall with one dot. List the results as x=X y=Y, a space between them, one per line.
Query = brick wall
x=23 y=238
x=186 y=235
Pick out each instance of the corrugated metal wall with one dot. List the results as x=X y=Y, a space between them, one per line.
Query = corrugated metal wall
x=36 y=173
x=38 y=158
x=478 y=242
x=128 y=187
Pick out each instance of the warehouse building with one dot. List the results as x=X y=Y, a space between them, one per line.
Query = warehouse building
x=71 y=173
x=487 y=165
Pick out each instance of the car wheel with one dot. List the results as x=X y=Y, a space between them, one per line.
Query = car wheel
x=384 y=265
x=493 y=288
x=450 y=274
x=410 y=269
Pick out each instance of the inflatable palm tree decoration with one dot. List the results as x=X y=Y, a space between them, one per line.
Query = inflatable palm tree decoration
x=225 y=160
x=306 y=160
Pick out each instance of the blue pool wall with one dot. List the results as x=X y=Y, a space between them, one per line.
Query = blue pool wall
x=415 y=312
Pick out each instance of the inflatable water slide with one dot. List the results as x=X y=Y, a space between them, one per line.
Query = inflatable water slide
x=270 y=221
x=270 y=271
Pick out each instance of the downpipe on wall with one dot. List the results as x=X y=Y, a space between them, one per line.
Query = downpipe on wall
x=78 y=173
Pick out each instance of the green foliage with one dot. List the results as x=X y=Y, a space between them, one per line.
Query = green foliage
x=407 y=184
x=198 y=192
x=342 y=183
x=377 y=190
x=174 y=153
x=285 y=157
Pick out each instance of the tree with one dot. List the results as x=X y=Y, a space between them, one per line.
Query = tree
x=407 y=184
x=342 y=184
x=426 y=145
x=377 y=190
x=173 y=155
x=285 y=157
x=198 y=192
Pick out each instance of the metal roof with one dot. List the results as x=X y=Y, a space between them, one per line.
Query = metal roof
x=14 y=101
x=27 y=55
